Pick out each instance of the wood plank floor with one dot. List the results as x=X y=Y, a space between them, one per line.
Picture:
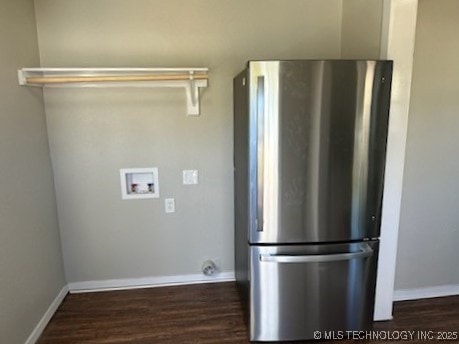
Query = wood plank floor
x=204 y=313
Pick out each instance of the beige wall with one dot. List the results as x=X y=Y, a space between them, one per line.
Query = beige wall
x=31 y=272
x=429 y=227
x=95 y=132
x=361 y=29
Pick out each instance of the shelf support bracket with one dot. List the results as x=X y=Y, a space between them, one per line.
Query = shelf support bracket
x=192 y=94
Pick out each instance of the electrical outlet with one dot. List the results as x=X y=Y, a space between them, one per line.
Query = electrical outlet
x=169 y=205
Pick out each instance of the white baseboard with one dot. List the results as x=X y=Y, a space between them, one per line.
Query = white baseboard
x=148 y=282
x=426 y=292
x=47 y=316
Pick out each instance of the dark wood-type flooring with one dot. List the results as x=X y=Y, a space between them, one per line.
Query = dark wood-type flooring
x=203 y=313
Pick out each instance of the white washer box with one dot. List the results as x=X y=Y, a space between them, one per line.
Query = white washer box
x=137 y=183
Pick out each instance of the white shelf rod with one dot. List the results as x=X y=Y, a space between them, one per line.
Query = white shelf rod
x=190 y=78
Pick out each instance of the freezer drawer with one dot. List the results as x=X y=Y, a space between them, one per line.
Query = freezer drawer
x=296 y=290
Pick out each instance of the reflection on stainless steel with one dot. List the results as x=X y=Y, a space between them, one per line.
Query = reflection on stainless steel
x=362 y=147
x=309 y=155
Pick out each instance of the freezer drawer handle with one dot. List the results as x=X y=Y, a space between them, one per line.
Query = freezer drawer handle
x=366 y=251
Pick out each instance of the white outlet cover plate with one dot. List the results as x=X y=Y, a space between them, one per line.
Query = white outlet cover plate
x=190 y=177
x=169 y=205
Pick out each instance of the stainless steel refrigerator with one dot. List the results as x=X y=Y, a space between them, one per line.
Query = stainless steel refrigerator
x=309 y=157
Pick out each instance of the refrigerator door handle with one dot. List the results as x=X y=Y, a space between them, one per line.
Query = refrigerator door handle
x=365 y=251
x=260 y=149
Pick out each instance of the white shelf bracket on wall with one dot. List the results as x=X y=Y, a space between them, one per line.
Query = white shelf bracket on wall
x=192 y=79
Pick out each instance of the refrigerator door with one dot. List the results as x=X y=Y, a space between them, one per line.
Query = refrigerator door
x=297 y=290
x=317 y=143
